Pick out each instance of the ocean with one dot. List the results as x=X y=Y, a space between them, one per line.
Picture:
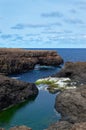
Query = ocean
x=38 y=113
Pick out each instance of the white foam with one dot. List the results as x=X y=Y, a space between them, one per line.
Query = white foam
x=42 y=87
x=61 y=82
x=15 y=77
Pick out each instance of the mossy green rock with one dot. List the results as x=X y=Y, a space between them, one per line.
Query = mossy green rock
x=55 y=84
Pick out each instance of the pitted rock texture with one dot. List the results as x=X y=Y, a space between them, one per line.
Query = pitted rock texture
x=14 y=91
x=76 y=71
x=20 y=128
x=72 y=104
x=19 y=60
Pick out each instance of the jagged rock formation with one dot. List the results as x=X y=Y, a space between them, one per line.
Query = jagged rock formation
x=72 y=103
x=72 y=106
x=19 y=60
x=75 y=71
x=13 y=91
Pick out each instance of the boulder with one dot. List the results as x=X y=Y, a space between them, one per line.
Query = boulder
x=13 y=91
x=72 y=104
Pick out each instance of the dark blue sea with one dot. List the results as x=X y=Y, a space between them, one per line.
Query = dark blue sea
x=38 y=113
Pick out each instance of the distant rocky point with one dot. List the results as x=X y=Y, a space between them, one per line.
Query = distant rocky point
x=20 y=60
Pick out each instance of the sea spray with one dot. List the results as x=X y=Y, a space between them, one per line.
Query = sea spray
x=54 y=84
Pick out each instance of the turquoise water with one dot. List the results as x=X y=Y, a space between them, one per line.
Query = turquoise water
x=38 y=113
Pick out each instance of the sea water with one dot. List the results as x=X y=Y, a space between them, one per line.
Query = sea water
x=38 y=113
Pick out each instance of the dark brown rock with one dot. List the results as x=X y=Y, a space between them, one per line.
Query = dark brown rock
x=76 y=71
x=2 y=129
x=72 y=105
x=19 y=60
x=79 y=126
x=20 y=128
x=62 y=125
x=13 y=91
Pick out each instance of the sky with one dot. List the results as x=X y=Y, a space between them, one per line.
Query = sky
x=43 y=23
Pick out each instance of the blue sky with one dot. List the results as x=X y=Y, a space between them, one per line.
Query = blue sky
x=43 y=23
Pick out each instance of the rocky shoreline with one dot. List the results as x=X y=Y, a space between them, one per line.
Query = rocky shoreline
x=13 y=91
x=18 y=128
x=19 y=60
x=14 y=61
x=75 y=71
x=72 y=103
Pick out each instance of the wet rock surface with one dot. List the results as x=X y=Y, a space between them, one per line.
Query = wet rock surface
x=19 y=60
x=13 y=91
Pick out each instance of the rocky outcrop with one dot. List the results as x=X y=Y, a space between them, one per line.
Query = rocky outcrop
x=79 y=126
x=72 y=104
x=54 y=84
x=2 y=129
x=61 y=125
x=19 y=60
x=13 y=91
x=75 y=71
x=64 y=125
x=20 y=128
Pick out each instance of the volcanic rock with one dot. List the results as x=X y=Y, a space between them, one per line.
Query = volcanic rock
x=20 y=128
x=72 y=104
x=64 y=125
x=2 y=129
x=19 y=60
x=75 y=71
x=79 y=126
x=13 y=91
x=61 y=125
